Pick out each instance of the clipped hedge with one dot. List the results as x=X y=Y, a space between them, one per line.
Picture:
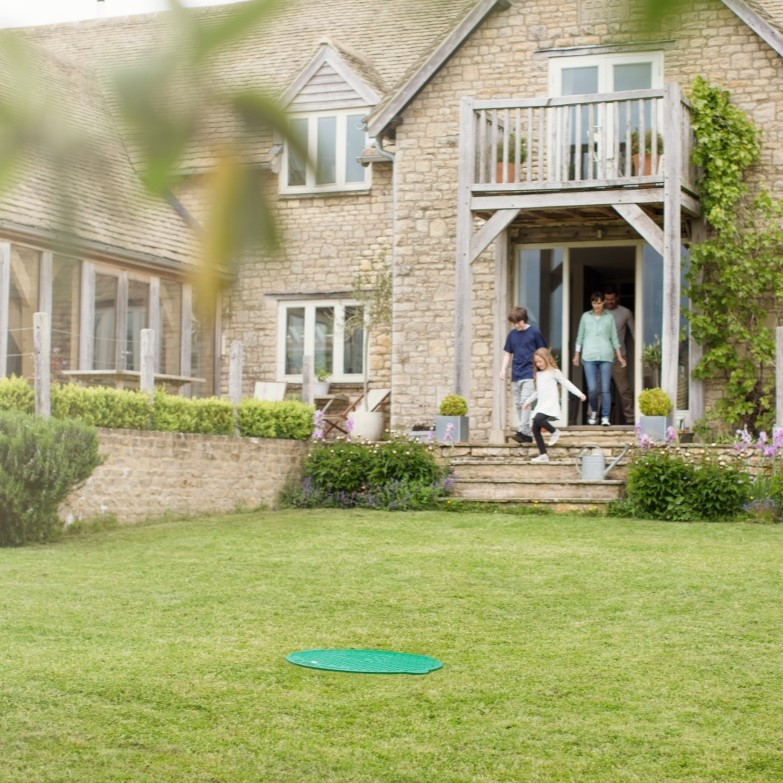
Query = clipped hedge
x=209 y=416
x=102 y=406
x=43 y=461
x=287 y=419
x=133 y=410
x=16 y=394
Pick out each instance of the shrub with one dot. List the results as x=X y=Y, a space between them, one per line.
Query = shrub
x=16 y=394
x=402 y=460
x=398 y=475
x=453 y=405
x=43 y=461
x=287 y=419
x=662 y=484
x=102 y=406
x=654 y=402
x=208 y=416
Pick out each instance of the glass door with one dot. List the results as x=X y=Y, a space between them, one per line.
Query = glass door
x=540 y=274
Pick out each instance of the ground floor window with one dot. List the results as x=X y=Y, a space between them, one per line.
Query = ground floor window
x=329 y=331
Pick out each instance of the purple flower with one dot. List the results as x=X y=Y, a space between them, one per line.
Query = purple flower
x=671 y=435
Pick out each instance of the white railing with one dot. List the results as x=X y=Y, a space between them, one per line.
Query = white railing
x=578 y=141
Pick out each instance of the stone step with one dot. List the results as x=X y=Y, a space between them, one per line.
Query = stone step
x=537 y=490
x=504 y=473
x=560 y=467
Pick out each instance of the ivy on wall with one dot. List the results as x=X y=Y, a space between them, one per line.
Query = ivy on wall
x=735 y=281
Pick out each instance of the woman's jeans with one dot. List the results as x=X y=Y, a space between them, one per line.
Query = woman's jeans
x=594 y=370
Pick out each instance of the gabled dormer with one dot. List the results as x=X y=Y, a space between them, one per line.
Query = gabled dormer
x=327 y=103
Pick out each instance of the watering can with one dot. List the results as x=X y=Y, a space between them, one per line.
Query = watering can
x=593 y=463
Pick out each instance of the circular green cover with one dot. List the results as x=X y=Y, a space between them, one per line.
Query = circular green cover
x=365 y=661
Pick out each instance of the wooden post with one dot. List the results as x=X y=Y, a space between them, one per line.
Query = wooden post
x=235 y=373
x=147 y=382
x=499 y=388
x=779 y=376
x=43 y=358
x=5 y=288
x=308 y=373
x=464 y=231
x=672 y=241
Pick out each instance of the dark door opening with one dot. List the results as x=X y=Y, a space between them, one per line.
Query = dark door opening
x=593 y=269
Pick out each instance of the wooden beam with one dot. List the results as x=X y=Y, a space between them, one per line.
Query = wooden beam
x=499 y=393
x=5 y=293
x=566 y=199
x=642 y=223
x=498 y=223
x=463 y=277
x=672 y=242
x=756 y=23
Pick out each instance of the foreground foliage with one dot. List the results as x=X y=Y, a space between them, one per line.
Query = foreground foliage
x=574 y=649
x=42 y=462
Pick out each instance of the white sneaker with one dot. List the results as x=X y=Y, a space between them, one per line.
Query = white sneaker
x=605 y=421
x=592 y=420
x=554 y=437
x=541 y=458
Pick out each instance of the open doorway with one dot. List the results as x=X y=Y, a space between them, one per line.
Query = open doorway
x=596 y=269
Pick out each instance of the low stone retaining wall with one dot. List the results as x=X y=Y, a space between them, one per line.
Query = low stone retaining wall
x=150 y=474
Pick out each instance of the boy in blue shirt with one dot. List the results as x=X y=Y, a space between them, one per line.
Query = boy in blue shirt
x=521 y=343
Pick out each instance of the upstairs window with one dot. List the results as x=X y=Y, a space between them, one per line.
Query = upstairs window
x=333 y=141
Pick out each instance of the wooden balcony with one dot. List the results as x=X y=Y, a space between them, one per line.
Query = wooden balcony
x=578 y=144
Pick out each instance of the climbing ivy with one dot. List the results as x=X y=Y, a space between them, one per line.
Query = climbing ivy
x=736 y=274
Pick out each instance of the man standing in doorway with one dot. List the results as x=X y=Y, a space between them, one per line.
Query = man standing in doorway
x=623 y=317
x=521 y=343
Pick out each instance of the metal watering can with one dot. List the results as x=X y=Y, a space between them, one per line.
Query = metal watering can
x=593 y=463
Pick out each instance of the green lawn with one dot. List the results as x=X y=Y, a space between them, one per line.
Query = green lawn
x=574 y=649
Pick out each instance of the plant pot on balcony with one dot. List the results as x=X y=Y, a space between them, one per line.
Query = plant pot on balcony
x=505 y=173
x=320 y=388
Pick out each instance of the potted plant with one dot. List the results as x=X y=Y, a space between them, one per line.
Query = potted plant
x=321 y=385
x=637 y=146
x=422 y=432
x=452 y=425
x=508 y=174
x=652 y=355
x=655 y=407
x=373 y=289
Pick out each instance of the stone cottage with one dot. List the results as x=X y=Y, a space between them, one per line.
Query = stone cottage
x=489 y=150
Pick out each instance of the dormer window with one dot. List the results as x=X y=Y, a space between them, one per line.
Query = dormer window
x=334 y=141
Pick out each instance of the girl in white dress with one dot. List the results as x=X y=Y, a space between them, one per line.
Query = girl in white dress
x=547 y=399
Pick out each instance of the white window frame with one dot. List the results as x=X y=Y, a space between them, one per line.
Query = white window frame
x=310 y=306
x=340 y=185
x=604 y=63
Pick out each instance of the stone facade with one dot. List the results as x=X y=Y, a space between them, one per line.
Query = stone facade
x=151 y=474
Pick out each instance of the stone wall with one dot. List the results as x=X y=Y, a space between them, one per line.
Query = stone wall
x=150 y=474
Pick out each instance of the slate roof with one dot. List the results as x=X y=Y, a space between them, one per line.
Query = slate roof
x=111 y=211
x=380 y=40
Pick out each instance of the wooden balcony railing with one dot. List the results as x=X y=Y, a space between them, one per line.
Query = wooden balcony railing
x=582 y=141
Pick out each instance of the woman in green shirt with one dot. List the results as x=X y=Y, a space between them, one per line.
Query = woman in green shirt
x=598 y=344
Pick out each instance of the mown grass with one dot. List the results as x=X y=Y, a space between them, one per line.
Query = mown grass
x=574 y=649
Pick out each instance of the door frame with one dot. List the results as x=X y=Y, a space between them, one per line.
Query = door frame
x=569 y=295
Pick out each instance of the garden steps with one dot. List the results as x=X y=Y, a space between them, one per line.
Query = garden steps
x=503 y=473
